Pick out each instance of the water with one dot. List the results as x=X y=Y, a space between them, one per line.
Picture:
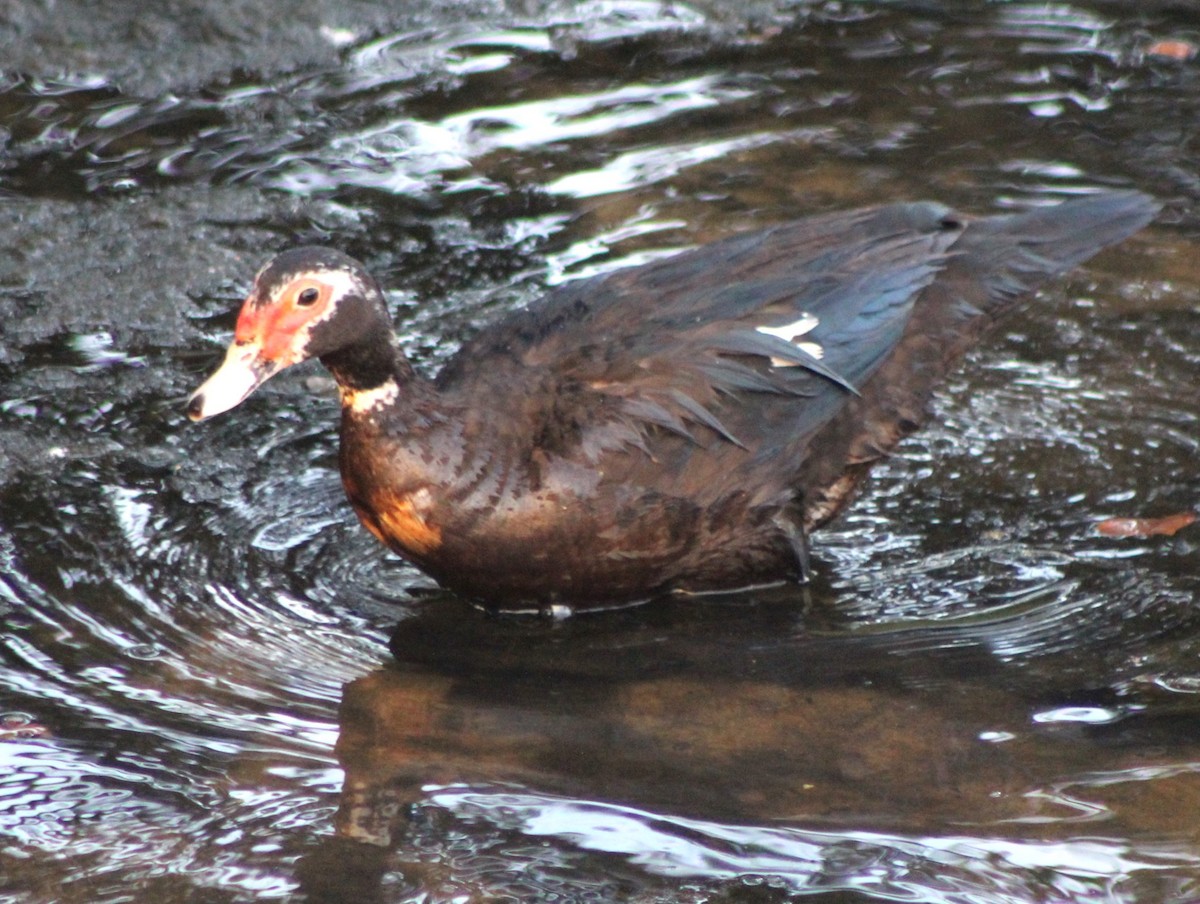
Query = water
x=214 y=686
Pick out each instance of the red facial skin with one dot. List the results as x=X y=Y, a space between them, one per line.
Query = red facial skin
x=277 y=327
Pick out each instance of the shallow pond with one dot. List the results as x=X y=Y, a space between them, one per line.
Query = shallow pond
x=216 y=687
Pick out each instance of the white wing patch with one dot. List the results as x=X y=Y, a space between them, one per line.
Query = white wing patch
x=790 y=332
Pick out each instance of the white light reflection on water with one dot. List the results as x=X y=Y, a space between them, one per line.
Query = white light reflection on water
x=562 y=266
x=1088 y=715
x=404 y=53
x=406 y=155
x=634 y=168
x=929 y=868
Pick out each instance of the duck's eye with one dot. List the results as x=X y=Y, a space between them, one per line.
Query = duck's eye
x=308 y=297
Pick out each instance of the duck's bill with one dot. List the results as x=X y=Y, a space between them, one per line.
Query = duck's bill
x=242 y=372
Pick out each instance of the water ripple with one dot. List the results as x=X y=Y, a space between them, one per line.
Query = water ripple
x=945 y=868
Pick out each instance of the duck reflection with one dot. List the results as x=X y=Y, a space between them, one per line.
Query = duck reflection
x=756 y=743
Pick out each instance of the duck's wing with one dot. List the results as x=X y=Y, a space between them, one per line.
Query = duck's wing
x=805 y=311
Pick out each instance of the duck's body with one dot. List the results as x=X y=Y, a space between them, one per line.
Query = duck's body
x=679 y=426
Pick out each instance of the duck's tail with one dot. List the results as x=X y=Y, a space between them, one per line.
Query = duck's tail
x=1012 y=256
x=996 y=262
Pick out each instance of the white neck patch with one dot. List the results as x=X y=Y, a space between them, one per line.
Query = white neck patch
x=367 y=401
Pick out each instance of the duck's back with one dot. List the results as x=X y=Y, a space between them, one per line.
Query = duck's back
x=740 y=345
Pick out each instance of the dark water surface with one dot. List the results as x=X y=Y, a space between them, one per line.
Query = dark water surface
x=982 y=699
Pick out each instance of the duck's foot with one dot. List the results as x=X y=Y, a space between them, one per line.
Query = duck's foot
x=797 y=538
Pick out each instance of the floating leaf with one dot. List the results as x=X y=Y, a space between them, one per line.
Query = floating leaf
x=1146 y=527
x=1172 y=50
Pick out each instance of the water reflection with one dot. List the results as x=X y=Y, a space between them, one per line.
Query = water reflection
x=970 y=797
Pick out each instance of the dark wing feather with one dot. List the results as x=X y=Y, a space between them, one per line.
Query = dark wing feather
x=676 y=343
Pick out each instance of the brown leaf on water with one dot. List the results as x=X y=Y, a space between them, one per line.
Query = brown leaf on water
x=1172 y=50
x=1146 y=527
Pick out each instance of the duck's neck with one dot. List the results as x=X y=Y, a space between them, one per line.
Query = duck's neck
x=371 y=364
x=372 y=374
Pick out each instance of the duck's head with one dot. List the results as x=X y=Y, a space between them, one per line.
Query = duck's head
x=305 y=303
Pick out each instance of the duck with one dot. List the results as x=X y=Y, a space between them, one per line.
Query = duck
x=680 y=427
